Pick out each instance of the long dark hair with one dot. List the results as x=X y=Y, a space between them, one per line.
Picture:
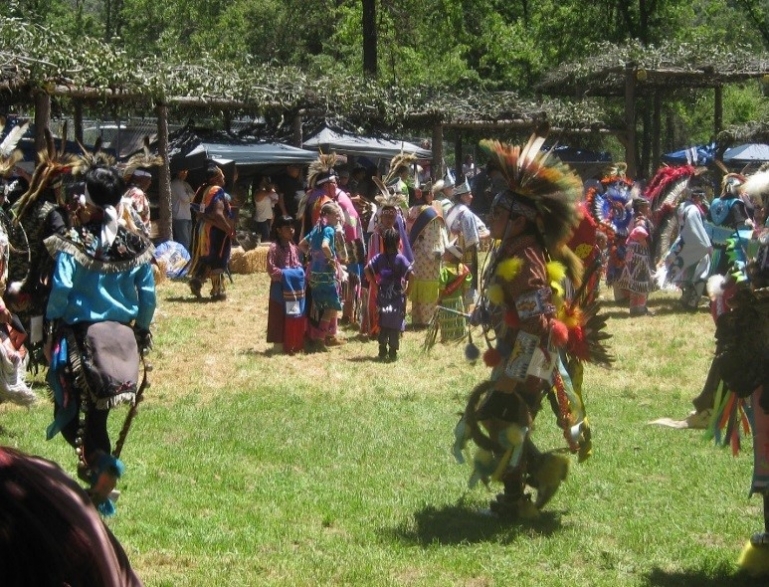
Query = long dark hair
x=50 y=534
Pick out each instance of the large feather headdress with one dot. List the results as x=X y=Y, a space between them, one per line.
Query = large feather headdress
x=90 y=159
x=389 y=196
x=321 y=169
x=542 y=188
x=757 y=185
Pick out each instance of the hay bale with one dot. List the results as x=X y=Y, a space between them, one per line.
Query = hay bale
x=253 y=261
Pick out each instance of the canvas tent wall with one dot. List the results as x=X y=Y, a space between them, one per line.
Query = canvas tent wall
x=371 y=148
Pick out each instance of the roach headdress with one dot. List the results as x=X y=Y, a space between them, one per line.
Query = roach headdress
x=143 y=159
x=53 y=167
x=321 y=170
x=542 y=189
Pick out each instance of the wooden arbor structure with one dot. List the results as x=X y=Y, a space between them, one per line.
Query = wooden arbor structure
x=498 y=113
x=633 y=72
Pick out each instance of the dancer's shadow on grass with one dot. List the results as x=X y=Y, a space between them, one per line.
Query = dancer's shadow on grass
x=465 y=523
x=718 y=577
x=189 y=300
x=364 y=359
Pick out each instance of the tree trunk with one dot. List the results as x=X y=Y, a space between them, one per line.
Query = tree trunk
x=164 y=176
x=370 y=66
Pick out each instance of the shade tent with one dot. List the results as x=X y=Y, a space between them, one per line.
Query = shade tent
x=696 y=155
x=748 y=153
x=588 y=164
x=330 y=141
x=260 y=154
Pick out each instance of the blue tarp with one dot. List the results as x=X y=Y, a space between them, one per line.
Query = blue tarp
x=699 y=155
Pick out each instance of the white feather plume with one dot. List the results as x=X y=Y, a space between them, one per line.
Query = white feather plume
x=756 y=185
x=14 y=136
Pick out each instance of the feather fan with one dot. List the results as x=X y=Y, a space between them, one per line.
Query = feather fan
x=12 y=139
x=399 y=160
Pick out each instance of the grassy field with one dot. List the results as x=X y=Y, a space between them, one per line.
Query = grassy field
x=333 y=469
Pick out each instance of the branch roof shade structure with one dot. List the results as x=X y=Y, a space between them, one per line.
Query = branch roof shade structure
x=669 y=66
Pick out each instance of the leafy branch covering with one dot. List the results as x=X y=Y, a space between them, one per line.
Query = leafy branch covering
x=600 y=73
x=33 y=57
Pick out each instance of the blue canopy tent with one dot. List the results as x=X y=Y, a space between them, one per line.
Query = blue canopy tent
x=698 y=155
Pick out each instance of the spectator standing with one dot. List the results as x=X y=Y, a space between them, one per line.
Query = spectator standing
x=181 y=198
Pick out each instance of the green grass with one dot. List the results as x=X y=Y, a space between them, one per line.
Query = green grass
x=250 y=469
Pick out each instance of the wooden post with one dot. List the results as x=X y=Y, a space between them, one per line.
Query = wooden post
x=670 y=125
x=630 y=129
x=646 y=140
x=78 y=116
x=436 y=168
x=458 y=156
x=42 y=119
x=298 y=137
x=718 y=107
x=164 y=176
x=656 y=132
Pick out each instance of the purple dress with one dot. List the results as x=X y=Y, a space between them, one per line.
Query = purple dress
x=390 y=271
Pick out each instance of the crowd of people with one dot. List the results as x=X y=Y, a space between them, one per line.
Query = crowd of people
x=362 y=251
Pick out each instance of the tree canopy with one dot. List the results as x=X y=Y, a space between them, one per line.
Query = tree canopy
x=457 y=62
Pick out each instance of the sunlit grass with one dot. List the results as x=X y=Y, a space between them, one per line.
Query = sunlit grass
x=334 y=469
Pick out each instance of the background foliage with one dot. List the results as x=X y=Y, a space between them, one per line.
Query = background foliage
x=295 y=54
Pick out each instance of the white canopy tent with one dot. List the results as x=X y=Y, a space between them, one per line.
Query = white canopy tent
x=260 y=153
x=329 y=141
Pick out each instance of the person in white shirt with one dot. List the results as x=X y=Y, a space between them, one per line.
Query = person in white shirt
x=181 y=198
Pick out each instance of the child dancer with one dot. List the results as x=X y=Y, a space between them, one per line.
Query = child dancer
x=285 y=317
x=637 y=273
x=455 y=282
x=324 y=277
x=392 y=273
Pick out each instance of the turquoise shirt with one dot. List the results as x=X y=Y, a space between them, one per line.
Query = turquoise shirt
x=84 y=295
